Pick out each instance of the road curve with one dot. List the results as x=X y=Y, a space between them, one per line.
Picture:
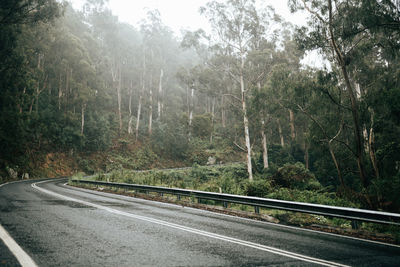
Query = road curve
x=58 y=225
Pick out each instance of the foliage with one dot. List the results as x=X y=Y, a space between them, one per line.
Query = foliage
x=257 y=188
x=169 y=138
x=202 y=126
x=19 y=11
x=309 y=196
x=86 y=166
x=295 y=176
x=197 y=151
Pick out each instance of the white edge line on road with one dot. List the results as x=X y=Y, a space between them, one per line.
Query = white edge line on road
x=23 y=258
x=195 y=231
x=236 y=217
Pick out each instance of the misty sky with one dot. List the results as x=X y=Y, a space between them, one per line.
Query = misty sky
x=181 y=14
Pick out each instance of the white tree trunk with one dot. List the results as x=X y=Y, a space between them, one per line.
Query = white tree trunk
x=263 y=135
x=191 y=107
x=223 y=121
x=187 y=100
x=83 y=117
x=150 y=110
x=150 y=129
x=159 y=105
x=264 y=145
x=130 y=125
x=245 y=120
x=138 y=117
x=119 y=99
x=280 y=132
x=140 y=96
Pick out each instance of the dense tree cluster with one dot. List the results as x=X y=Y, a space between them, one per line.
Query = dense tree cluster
x=79 y=80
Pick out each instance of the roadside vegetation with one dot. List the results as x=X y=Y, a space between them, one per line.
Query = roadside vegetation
x=292 y=182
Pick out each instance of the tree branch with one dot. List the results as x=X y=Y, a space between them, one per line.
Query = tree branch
x=241 y=148
x=313 y=12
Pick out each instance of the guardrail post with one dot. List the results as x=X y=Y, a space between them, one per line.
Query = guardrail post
x=178 y=197
x=225 y=204
x=354 y=225
x=257 y=209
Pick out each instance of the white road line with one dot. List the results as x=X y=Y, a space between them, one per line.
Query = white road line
x=23 y=258
x=195 y=231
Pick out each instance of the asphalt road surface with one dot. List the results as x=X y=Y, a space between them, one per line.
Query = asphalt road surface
x=58 y=225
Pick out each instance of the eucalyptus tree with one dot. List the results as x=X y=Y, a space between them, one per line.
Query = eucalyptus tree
x=107 y=29
x=237 y=23
x=327 y=33
x=129 y=39
x=197 y=55
x=262 y=58
x=210 y=83
x=341 y=29
x=156 y=39
x=17 y=81
x=14 y=12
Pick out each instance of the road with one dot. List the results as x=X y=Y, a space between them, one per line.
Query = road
x=58 y=225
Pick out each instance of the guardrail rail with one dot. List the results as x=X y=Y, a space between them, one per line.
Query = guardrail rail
x=325 y=210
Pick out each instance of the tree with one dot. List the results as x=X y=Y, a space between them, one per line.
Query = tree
x=358 y=38
x=22 y=79
x=327 y=31
x=14 y=12
x=237 y=23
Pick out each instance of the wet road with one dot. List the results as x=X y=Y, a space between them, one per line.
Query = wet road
x=58 y=225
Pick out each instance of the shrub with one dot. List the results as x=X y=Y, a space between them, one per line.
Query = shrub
x=144 y=158
x=203 y=174
x=210 y=186
x=307 y=196
x=279 y=155
x=202 y=125
x=197 y=152
x=86 y=165
x=227 y=184
x=295 y=176
x=169 y=138
x=237 y=171
x=256 y=188
x=100 y=177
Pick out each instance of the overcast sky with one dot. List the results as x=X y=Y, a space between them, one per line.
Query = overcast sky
x=181 y=14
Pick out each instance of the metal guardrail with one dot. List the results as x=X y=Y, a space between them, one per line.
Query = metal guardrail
x=325 y=210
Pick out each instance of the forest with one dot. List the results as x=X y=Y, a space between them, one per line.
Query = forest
x=82 y=91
